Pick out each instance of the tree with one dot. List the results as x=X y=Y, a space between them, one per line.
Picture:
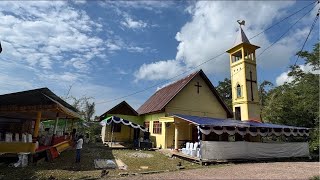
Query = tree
x=89 y=110
x=264 y=88
x=224 y=90
x=84 y=106
x=297 y=103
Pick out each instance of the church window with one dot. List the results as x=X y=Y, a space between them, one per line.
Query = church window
x=157 y=127
x=146 y=125
x=238 y=90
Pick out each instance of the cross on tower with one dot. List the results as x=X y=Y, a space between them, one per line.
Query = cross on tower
x=251 y=81
x=198 y=87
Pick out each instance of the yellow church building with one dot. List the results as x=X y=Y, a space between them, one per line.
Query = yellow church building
x=192 y=95
x=196 y=96
x=190 y=110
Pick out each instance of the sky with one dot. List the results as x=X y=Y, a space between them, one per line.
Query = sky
x=106 y=50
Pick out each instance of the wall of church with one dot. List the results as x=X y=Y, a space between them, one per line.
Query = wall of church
x=157 y=139
x=244 y=110
x=252 y=68
x=189 y=102
x=254 y=111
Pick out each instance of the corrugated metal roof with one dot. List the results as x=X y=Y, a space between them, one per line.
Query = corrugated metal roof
x=162 y=97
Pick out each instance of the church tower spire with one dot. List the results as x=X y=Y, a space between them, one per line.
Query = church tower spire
x=245 y=98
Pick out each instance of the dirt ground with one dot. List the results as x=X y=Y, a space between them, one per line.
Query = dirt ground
x=139 y=162
x=64 y=167
x=276 y=170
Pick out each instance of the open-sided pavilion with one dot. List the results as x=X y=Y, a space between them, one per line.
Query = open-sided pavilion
x=21 y=114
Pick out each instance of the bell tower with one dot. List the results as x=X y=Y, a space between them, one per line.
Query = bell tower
x=245 y=98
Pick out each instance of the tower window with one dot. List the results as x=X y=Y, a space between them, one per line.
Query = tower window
x=249 y=55
x=238 y=90
x=237 y=56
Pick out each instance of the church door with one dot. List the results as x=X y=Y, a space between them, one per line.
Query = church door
x=238 y=113
x=194 y=134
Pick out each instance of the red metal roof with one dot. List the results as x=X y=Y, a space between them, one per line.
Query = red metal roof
x=162 y=97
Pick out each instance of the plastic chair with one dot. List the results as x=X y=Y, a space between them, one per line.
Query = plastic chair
x=186 y=149
x=190 y=149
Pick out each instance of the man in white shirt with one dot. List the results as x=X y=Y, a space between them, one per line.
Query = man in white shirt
x=78 y=148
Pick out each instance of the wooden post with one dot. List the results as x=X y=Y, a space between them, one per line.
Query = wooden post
x=176 y=134
x=56 y=125
x=65 y=126
x=72 y=125
x=37 y=125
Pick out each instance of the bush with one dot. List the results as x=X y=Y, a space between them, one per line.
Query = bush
x=314 y=141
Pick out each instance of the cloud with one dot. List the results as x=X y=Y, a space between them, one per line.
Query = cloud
x=132 y=24
x=283 y=77
x=212 y=30
x=159 y=70
x=147 y=5
x=117 y=44
x=79 y=2
x=39 y=34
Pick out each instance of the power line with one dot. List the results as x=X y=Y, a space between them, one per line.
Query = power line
x=312 y=26
x=315 y=20
x=286 y=31
x=162 y=82
x=283 y=20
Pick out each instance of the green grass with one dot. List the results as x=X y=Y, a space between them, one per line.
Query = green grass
x=315 y=178
x=65 y=168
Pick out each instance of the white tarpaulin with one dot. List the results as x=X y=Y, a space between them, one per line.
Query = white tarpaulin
x=217 y=150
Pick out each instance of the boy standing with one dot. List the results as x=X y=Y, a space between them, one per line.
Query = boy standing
x=78 y=148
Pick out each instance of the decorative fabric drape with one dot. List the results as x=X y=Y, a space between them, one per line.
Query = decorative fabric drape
x=253 y=131
x=118 y=120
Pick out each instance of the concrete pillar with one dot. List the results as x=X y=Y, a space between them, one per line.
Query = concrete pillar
x=176 y=134
x=37 y=125
x=164 y=134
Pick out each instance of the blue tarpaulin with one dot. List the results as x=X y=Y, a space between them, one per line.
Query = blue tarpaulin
x=206 y=121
